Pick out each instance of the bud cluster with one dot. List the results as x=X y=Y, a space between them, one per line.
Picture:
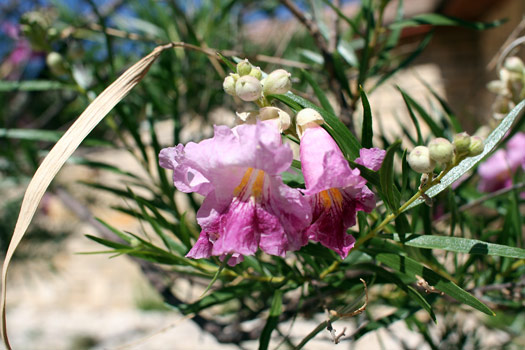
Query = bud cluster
x=249 y=85
x=510 y=87
x=423 y=159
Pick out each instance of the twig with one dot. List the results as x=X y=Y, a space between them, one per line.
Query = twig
x=515 y=33
x=356 y=312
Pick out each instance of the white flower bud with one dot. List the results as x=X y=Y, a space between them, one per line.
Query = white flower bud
x=256 y=72
x=477 y=146
x=282 y=118
x=229 y=85
x=56 y=63
x=497 y=87
x=248 y=88
x=462 y=142
x=514 y=64
x=307 y=118
x=277 y=82
x=244 y=67
x=420 y=161
x=441 y=150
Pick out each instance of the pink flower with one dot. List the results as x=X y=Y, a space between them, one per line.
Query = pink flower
x=497 y=171
x=246 y=204
x=335 y=191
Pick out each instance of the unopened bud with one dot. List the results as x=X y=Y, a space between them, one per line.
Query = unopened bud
x=244 y=67
x=514 y=64
x=277 y=82
x=462 y=142
x=307 y=118
x=420 y=161
x=256 y=72
x=56 y=63
x=229 y=85
x=282 y=118
x=248 y=88
x=477 y=146
x=441 y=150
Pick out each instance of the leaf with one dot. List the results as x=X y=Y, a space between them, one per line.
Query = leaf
x=344 y=138
x=436 y=130
x=367 y=132
x=414 y=120
x=318 y=92
x=386 y=176
x=229 y=63
x=405 y=62
x=436 y=19
x=454 y=121
x=412 y=268
x=492 y=140
x=462 y=245
x=46 y=135
x=34 y=85
x=63 y=149
x=273 y=320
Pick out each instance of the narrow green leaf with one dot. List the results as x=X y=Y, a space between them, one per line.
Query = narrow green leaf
x=414 y=120
x=108 y=243
x=367 y=133
x=47 y=136
x=34 y=85
x=318 y=92
x=491 y=142
x=436 y=19
x=344 y=138
x=454 y=121
x=422 y=45
x=229 y=63
x=273 y=320
x=386 y=176
x=412 y=268
x=461 y=245
x=436 y=130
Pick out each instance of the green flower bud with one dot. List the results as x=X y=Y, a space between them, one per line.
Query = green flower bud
x=514 y=64
x=420 y=161
x=307 y=118
x=277 y=82
x=229 y=85
x=477 y=146
x=244 y=67
x=256 y=72
x=56 y=63
x=441 y=150
x=248 y=88
x=462 y=142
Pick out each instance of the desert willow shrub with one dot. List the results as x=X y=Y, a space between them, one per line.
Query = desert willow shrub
x=280 y=236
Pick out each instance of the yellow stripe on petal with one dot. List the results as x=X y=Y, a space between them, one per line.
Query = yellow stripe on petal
x=244 y=182
x=337 y=197
x=257 y=187
x=325 y=197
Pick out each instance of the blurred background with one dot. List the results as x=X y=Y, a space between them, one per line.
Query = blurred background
x=56 y=56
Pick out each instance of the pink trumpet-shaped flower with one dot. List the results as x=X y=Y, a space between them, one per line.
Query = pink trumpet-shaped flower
x=335 y=191
x=246 y=204
x=497 y=171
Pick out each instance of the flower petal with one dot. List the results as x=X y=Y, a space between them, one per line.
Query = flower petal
x=372 y=158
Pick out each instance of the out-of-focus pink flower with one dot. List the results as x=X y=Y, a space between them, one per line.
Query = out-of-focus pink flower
x=246 y=204
x=497 y=171
x=19 y=55
x=335 y=191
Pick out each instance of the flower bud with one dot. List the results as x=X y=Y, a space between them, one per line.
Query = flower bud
x=244 y=67
x=462 y=142
x=247 y=117
x=273 y=113
x=277 y=82
x=256 y=72
x=248 y=88
x=420 y=161
x=56 y=63
x=477 y=146
x=229 y=85
x=514 y=64
x=441 y=150
x=307 y=118
x=497 y=87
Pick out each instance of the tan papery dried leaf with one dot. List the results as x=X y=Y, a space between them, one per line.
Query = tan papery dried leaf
x=63 y=149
